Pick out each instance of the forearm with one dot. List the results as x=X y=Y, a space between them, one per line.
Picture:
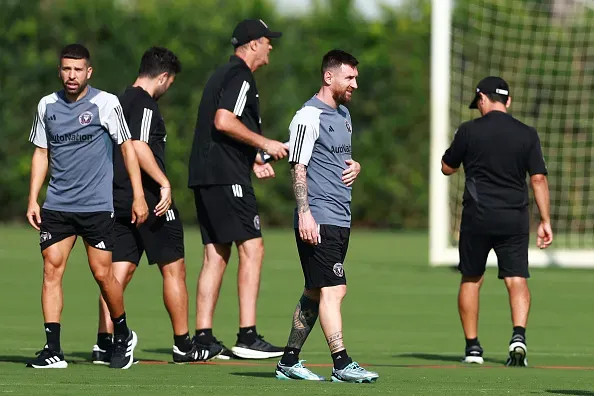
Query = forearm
x=227 y=122
x=39 y=166
x=541 y=196
x=299 y=176
x=132 y=167
x=147 y=163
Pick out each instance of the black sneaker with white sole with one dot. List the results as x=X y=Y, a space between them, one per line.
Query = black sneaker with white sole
x=226 y=353
x=473 y=354
x=101 y=356
x=47 y=358
x=180 y=357
x=259 y=349
x=207 y=351
x=122 y=356
x=517 y=352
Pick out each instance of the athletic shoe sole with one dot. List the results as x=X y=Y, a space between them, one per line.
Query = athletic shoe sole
x=473 y=359
x=58 y=365
x=357 y=381
x=246 y=353
x=517 y=355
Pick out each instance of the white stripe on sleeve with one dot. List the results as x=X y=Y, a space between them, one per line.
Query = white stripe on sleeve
x=241 y=99
x=145 y=125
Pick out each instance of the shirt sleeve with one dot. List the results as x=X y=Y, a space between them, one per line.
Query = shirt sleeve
x=454 y=155
x=38 y=134
x=112 y=117
x=235 y=93
x=304 y=131
x=142 y=122
x=536 y=162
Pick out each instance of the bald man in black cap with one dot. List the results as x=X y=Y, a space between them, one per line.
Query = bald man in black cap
x=497 y=152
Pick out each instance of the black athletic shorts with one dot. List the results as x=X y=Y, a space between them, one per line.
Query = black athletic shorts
x=322 y=264
x=162 y=238
x=227 y=213
x=511 y=251
x=96 y=228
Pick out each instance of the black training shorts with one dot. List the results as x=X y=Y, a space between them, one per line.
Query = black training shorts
x=511 y=251
x=227 y=213
x=96 y=228
x=322 y=264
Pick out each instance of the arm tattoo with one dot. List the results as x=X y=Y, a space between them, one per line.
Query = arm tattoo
x=304 y=320
x=335 y=342
x=299 y=175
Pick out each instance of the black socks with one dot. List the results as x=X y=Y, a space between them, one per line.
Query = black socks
x=341 y=359
x=52 y=335
x=247 y=335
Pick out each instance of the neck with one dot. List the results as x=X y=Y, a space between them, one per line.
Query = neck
x=250 y=61
x=76 y=97
x=147 y=84
x=496 y=107
x=325 y=95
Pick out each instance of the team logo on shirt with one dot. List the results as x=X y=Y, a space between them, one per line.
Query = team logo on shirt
x=257 y=222
x=348 y=126
x=85 y=118
x=338 y=270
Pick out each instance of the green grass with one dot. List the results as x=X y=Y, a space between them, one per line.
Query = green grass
x=400 y=318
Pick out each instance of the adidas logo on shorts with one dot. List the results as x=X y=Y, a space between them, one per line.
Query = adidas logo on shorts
x=100 y=245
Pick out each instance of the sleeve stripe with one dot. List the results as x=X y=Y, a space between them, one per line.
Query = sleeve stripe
x=241 y=99
x=34 y=128
x=145 y=125
x=123 y=132
x=298 y=143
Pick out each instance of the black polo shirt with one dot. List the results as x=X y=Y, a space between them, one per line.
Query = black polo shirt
x=497 y=152
x=146 y=124
x=217 y=158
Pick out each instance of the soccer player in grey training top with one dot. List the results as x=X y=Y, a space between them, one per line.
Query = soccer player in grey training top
x=323 y=172
x=73 y=131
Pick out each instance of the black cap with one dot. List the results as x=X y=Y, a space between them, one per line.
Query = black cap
x=251 y=29
x=490 y=85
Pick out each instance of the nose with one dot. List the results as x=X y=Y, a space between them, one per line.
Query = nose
x=354 y=84
x=72 y=74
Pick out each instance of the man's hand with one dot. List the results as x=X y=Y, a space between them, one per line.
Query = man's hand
x=34 y=215
x=263 y=171
x=276 y=149
x=350 y=174
x=308 y=229
x=139 y=211
x=544 y=235
x=165 y=202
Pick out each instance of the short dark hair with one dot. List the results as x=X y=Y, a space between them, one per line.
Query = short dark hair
x=495 y=97
x=157 y=60
x=75 y=51
x=336 y=58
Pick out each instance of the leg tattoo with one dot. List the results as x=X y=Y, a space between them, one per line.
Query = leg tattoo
x=335 y=342
x=304 y=319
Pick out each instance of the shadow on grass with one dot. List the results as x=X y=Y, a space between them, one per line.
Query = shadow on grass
x=570 y=392
x=443 y=358
x=255 y=374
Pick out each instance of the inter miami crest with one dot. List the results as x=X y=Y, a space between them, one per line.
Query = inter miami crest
x=85 y=118
x=348 y=126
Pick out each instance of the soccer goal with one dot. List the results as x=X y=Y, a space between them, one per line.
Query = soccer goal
x=545 y=50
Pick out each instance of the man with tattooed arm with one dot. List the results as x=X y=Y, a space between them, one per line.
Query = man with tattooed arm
x=323 y=172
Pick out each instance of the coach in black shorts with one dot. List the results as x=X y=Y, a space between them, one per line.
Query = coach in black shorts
x=227 y=138
x=497 y=151
x=161 y=237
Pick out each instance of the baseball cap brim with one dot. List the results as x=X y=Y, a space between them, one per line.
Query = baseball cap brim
x=473 y=104
x=273 y=34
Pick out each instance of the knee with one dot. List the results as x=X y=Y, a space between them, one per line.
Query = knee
x=102 y=274
x=312 y=294
x=175 y=270
x=333 y=294
x=516 y=282
x=472 y=279
x=53 y=268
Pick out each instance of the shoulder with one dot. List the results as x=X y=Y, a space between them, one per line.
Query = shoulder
x=46 y=100
x=103 y=99
x=137 y=100
x=308 y=114
x=344 y=111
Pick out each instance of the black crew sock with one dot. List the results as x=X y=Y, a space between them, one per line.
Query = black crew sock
x=341 y=359
x=470 y=342
x=247 y=335
x=104 y=340
x=204 y=336
x=52 y=336
x=120 y=327
x=519 y=330
x=183 y=342
x=290 y=357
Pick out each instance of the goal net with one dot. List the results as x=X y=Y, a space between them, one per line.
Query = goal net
x=544 y=49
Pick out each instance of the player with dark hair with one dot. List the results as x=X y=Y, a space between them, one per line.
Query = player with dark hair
x=227 y=138
x=161 y=237
x=497 y=151
x=73 y=129
x=323 y=173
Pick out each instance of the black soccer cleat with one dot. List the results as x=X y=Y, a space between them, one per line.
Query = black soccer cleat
x=259 y=349
x=517 y=352
x=473 y=354
x=101 y=356
x=123 y=351
x=207 y=351
x=47 y=358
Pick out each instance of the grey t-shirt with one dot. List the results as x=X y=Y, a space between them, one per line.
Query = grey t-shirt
x=321 y=140
x=79 y=137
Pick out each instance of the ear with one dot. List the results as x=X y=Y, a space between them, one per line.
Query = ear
x=162 y=78
x=89 y=72
x=328 y=76
x=254 y=45
x=509 y=100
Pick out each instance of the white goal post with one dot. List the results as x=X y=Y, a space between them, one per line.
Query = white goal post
x=575 y=248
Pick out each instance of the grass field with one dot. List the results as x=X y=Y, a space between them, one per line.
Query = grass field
x=400 y=319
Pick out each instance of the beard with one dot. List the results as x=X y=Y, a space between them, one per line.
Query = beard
x=76 y=91
x=340 y=97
